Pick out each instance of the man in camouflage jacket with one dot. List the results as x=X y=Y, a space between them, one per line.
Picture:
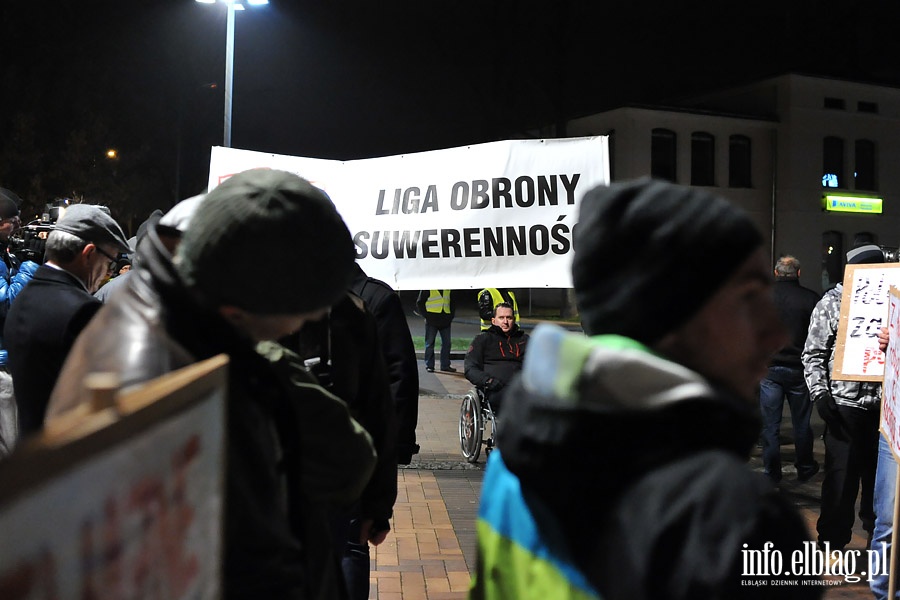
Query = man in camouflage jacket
x=850 y=410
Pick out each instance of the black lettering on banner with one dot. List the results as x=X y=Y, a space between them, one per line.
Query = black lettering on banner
x=558 y=232
x=430 y=202
x=857 y=327
x=570 y=185
x=539 y=237
x=524 y=191
x=385 y=245
x=429 y=244
x=500 y=190
x=480 y=197
x=380 y=210
x=406 y=241
x=459 y=195
x=547 y=191
x=362 y=249
x=450 y=242
x=509 y=240
x=471 y=243
x=493 y=241
x=516 y=240
x=410 y=200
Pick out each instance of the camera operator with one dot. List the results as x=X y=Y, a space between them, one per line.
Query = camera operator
x=13 y=277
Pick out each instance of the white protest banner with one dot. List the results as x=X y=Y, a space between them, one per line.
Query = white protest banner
x=864 y=311
x=130 y=509
x=890 y=392
x=500 y=214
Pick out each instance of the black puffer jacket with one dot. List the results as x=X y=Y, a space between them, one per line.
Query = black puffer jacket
x=494 y=355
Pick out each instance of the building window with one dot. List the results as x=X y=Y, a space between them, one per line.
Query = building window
x=739 y=161
x=662 y=154
x=867 y=107
x=833 y=162
x=864 y=173
x=835 y=103
x=703 y=158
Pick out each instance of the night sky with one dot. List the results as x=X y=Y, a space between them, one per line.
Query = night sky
x=352 y=79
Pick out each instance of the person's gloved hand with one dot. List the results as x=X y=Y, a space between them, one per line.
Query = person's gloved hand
x=493 y=384
x=828 y=410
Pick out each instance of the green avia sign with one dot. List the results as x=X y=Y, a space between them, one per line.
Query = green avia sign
x=852 y=204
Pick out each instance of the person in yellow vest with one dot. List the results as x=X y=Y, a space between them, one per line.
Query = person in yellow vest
x=438 y=309
x=488 y=298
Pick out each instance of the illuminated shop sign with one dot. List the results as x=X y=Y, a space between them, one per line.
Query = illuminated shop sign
x=852 y=204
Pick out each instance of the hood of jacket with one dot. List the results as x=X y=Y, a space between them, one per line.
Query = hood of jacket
x=594 y=414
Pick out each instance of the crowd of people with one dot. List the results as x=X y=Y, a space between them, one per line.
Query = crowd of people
x=621 y=470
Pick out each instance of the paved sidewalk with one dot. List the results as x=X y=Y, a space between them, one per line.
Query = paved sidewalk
x=430 y=553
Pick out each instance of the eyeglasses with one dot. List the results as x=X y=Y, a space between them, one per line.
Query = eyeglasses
x=112 y=259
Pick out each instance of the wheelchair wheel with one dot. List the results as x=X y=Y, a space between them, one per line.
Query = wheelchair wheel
x=471 y=426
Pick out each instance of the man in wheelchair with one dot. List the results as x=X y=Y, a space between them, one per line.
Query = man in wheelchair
x=496 y=355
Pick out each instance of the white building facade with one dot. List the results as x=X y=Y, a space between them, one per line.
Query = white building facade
x=777 y=148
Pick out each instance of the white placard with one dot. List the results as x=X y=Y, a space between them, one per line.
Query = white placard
x=140 y=518
x=864 y=311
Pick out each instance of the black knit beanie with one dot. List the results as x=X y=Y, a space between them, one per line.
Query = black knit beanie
x=9 y=203
x=268 y=242
x=650 y=254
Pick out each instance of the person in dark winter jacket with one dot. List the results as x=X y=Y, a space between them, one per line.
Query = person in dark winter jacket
x=621 y=470
x=293 y=452
x=399 y=357
x=795 y=304
x=496 y=355
x=851 y=411
x=343 y=352
x=57 y=305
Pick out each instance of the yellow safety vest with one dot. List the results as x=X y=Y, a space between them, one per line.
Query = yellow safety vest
x=497 y=298
x=438 y=301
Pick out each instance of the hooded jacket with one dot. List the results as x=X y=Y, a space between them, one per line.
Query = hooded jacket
x=623 y=475
x=818 y=358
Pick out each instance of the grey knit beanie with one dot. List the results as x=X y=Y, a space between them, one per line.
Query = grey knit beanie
x=650 y=254
x=268 y=242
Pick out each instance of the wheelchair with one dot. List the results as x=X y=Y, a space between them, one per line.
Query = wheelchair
x=475 y=415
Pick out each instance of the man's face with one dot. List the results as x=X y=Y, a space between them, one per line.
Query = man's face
x=261 y=328
x=8 y=227
x=732 y=338
x=503 y=318
x=100 y=264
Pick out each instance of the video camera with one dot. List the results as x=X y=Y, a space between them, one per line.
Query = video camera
x=29 y=241
x=891 y=254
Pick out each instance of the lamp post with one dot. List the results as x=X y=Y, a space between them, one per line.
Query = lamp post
x=232 y=6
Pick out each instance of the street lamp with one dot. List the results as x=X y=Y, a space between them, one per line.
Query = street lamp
x=232 y=6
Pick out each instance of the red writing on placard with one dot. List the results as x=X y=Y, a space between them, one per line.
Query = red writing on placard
x=873 y=357
x=153 y=561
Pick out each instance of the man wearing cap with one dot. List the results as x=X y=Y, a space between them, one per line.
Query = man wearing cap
x=851 y=411
x=293 y=452
x=58 y=303
x=622 y=472
x=13 y=277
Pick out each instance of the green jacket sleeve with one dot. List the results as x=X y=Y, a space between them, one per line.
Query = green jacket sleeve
x=338 y=456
